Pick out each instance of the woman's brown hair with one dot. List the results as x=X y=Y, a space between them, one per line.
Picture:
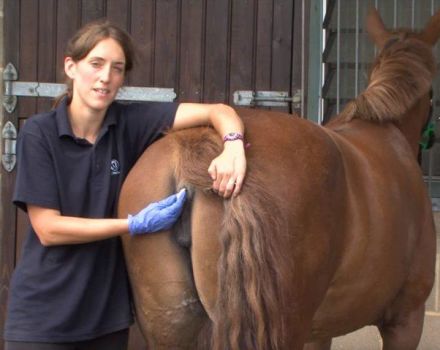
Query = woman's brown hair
x=87 y=37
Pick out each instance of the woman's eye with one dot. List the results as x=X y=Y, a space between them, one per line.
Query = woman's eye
x=95 y=64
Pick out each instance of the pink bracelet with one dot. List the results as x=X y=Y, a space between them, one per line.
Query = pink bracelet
x=233 y=136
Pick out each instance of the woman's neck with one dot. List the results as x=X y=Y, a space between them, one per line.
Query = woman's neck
x=85 y=122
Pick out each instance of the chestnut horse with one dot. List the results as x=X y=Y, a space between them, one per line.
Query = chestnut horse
x=332 y=231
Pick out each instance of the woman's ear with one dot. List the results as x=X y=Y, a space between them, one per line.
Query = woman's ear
x=69 y=67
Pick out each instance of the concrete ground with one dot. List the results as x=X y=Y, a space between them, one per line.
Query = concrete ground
x=368 y=338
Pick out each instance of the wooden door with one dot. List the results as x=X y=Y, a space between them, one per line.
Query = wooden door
x=203 y=49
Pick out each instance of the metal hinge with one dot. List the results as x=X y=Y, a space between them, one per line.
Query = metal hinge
x=9 y=136
x=13 y=88
x=267 y=98
x=9 y=100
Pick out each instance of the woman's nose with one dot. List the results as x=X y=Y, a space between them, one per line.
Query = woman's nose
x=105 y=74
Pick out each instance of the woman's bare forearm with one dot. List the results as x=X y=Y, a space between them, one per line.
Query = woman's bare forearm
x=54 y=229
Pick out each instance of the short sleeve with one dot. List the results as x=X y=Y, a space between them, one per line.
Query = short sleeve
x=149 y=121
x=36 y=179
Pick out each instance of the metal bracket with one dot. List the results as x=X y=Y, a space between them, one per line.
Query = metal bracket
x=9 y=75
x=13 y=88
x=136 y=93
x=267 y=98
x=9 y=135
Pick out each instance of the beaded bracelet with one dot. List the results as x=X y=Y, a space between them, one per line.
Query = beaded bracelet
x=233 y=136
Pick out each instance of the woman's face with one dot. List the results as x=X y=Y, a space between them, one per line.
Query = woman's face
x=98 y=76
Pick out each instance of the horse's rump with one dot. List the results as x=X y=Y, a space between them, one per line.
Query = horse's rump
x=292 y=164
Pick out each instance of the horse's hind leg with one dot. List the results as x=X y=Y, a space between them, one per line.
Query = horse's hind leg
x=403 y=334
x=402 y=324
x=168 y=309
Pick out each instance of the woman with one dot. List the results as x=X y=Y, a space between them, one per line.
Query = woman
x=70 y=288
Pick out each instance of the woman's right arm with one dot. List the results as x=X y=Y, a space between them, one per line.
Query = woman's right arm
x=52 y=228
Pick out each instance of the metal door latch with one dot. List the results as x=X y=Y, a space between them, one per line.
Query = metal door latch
x=9 y=135
x=267 y=98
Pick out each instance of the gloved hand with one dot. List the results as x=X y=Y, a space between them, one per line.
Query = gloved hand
x=157 y=216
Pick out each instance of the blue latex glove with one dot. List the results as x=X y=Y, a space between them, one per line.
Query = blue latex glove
x=157 y=216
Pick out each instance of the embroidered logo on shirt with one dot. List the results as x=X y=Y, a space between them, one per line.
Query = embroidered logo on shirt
x=115 y=167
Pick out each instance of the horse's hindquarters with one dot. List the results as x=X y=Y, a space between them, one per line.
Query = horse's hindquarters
x=386 y=267
x=168 y=310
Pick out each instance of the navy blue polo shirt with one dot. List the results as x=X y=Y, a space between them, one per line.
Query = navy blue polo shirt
x=79 y=291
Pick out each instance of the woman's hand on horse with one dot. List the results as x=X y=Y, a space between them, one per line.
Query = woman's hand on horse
x=157 y=216
x=228 y=169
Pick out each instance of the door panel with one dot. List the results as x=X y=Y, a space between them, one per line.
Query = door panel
x=203 y=49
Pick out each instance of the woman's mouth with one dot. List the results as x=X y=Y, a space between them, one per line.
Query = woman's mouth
x=102 y=92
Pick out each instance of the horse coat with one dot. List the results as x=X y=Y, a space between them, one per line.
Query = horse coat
x=332 y=231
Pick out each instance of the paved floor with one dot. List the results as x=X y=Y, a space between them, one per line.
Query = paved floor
x=368 y=338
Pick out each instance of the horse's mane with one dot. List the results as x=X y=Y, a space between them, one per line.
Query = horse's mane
x=401 y=74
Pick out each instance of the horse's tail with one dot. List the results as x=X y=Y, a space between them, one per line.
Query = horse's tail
x=249 y=305
x=248 y=312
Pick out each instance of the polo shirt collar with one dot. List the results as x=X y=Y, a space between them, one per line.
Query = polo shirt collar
x=63 y=123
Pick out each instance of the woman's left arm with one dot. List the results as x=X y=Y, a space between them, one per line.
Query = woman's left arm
x=229 y=168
